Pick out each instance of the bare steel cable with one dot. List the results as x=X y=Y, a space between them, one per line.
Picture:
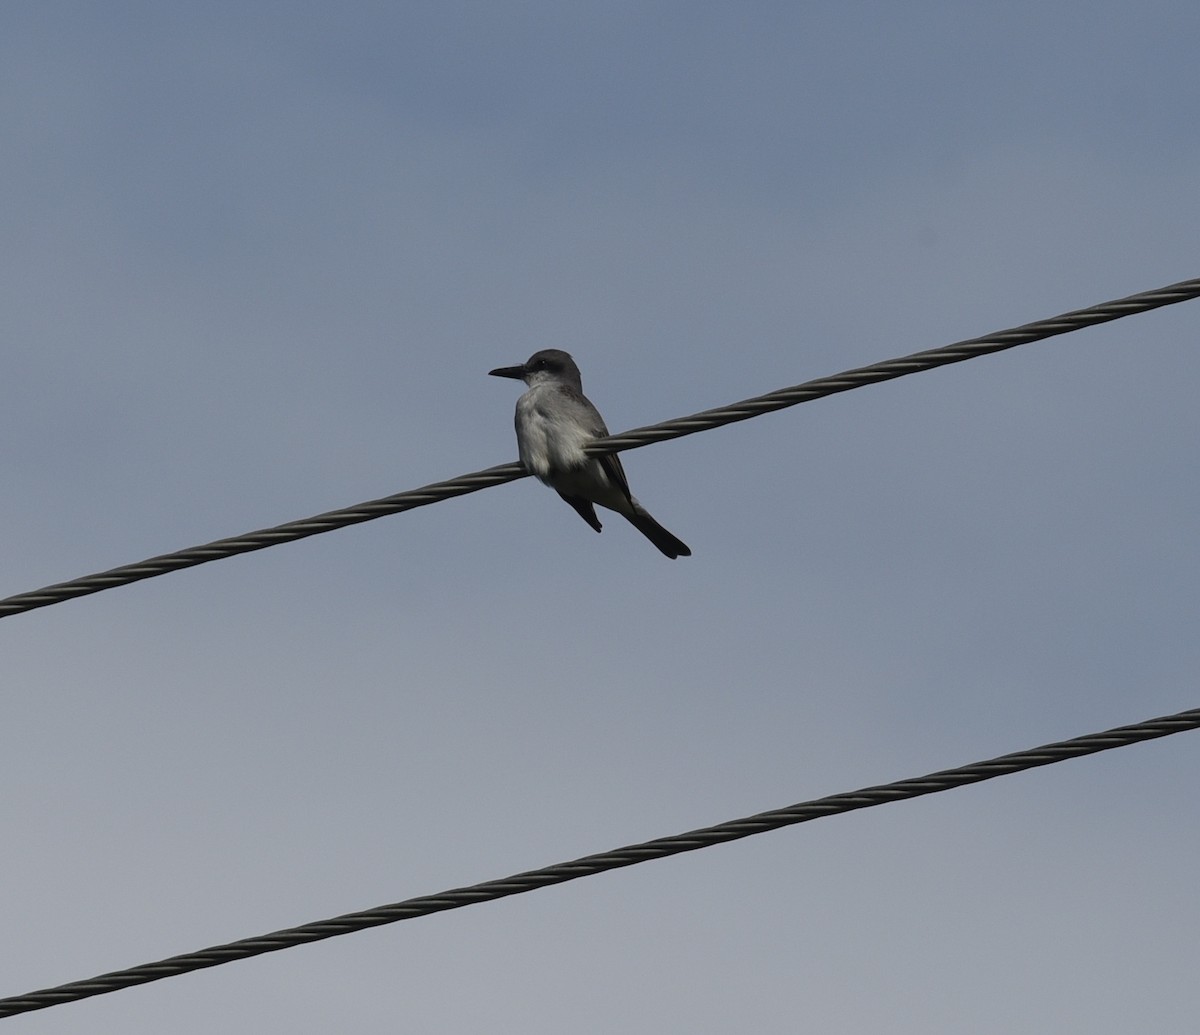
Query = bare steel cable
x=675 y=428
x=590 y=865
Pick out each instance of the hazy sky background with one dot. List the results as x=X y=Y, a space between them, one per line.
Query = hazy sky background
x=257 y=259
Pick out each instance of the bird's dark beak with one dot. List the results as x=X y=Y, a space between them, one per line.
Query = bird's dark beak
x=517 y=373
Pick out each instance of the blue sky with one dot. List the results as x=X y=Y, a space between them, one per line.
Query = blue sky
x=256 y=262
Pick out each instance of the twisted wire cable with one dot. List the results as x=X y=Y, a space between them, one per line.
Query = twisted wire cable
x=890 y=369
x=670 y=429
x=589 y=865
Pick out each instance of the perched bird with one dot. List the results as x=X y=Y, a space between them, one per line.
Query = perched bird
x=555 y=421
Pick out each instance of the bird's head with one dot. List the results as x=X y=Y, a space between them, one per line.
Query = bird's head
x=547 y=365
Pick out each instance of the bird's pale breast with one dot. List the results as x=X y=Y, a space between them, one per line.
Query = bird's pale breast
x=548 y=444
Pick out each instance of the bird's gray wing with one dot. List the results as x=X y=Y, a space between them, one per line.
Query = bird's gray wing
x=584 y=509
x=610 y=463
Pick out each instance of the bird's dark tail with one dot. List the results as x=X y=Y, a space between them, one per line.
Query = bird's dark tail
x=659 y=536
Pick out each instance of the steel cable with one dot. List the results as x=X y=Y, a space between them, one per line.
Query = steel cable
x=675 y=428
x=589 y=865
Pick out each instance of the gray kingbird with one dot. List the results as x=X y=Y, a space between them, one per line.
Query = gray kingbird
x=555 y=421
